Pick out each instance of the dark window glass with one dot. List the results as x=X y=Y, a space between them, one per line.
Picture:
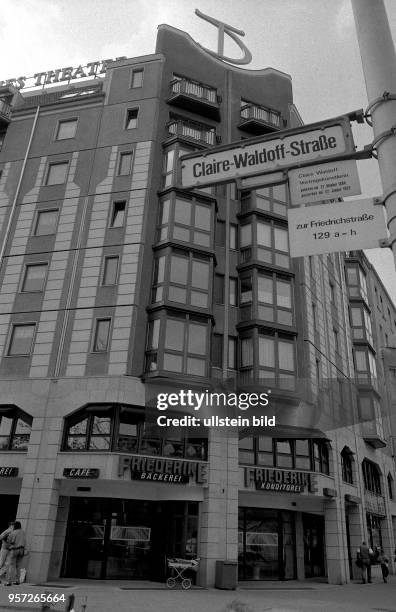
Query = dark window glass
x=57 y=173
x=125 y=164
x=66 y=129
x=132 y=118
x=21 y=339
x=118 y=214
x=347 y=466
x=34 y=278
x=46 y=222
x=101 y=340
x=14 y=432
x=217 y=350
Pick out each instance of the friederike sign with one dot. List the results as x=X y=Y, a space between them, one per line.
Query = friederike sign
x=328 y=228
x=290 y=148
x=283 y=481
x=161 y=469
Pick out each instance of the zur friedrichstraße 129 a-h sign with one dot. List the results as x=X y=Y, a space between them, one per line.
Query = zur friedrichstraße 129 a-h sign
x=277 y=151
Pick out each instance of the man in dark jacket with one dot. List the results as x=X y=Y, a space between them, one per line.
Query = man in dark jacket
x=364 y=555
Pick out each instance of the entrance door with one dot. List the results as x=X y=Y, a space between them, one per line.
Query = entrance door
x=266 y=544
x=126 y=539
x=9 y=507
x=313 y=526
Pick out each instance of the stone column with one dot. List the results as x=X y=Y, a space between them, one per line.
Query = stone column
x=335 y=536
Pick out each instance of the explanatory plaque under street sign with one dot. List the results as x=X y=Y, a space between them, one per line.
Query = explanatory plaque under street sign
x=328 y=228
x=336 y=179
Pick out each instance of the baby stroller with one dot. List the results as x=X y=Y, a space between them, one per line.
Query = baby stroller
x=179 y=567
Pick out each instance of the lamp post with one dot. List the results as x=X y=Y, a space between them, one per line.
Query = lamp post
x=378 y=60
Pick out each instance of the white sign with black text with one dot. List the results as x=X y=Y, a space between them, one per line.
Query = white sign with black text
x=328 y=228
x=324 y=182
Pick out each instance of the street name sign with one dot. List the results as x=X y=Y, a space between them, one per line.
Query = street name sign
x=324 y=182
x=288 y=148
x=328 y=228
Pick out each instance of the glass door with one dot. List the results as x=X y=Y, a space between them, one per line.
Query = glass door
x=313 y=526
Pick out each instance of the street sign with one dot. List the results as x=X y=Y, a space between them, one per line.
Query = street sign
x=261 y=155
x=328 y=228
x=324 y=182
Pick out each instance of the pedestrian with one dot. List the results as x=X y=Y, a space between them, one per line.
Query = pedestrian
x=16 y=542
x=4 y=548
x=384 y=562
x=363 y=560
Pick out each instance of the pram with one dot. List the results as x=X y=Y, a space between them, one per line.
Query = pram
x=179 y=567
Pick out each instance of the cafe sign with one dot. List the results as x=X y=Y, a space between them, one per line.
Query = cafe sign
x=279 y=481
x=79 y=472
x=154 y=469
x=8 y=472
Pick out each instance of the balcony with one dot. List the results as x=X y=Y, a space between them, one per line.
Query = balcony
x=258 y=120
x=5 y=112
x=191 y=130
x=194 y=97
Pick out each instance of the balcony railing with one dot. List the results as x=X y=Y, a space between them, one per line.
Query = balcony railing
x=259 y=119
x=5 y=110
x=195 y=131
x=193 y=88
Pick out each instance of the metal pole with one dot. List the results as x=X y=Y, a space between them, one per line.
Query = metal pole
x=378 y=60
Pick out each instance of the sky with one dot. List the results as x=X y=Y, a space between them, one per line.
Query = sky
x=312 y=40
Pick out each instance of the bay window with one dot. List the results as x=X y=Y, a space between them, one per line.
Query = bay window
x=187 y=220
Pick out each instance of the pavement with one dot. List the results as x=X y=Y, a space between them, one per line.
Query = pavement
x=128 y=596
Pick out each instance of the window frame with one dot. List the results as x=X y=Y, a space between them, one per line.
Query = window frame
x=94 y=345
x=29 y=265
x=121 y=156
x=133 y=72
x=62 y=121
x=133 y=109
x=113 y=216
x=166 y=227
x=347 y=466
x=37 y=217
x=15 y=415
x=106 y=258
x=13 y=326
x=66 y=164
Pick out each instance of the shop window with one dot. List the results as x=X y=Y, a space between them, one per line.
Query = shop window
x=66 y=129
x=15 y=429
x=374 y=531
x=189 y=221
x=182 y=277
x=347 y=465
x=303 y=455
x=371 y=477
x=57 y=172
x=132 y=118
x=125 y=163
x=101 y=337
x=122 y=428
x=137 y=78
x=390 y=486
x=46 y=222
x=117 y=217
x=284 y=453
x=34 y=277
x=21 y=340
x=182 y=345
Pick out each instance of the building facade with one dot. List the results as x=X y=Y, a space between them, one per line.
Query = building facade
x=117 y=285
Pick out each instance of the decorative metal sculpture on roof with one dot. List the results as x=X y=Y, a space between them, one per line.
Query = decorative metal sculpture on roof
x=224 y=28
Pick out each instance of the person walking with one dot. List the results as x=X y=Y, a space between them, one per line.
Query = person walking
x=16 y=542
x=4 y=548
x=384 y=562
x=364 y=556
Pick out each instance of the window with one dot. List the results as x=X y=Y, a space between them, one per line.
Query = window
x=46 y=222
x=125 y=163
x=182 y=277
x=21 y=339
x=101 y=338
x=270 y=240
x=118 y=427
x=371 y=477
x=189 y=221
x=15 y=429
x=170 y=167
x=390 y=486
x=34 y=278
x=219 y=288
x=56 y=174
x=232 y=352
x=117 y=218
x=233 y=297
x=220 y=233
x=110 y=270
x=302 y=454
x=246 y=352
x=178 y=344
x=217 y=351
x=137 y=78
x=132 y=117
x=347 y=465
x=268 y=199
x=360 y=323
x=365 y=366
x=274 y=297
x=356 y=281
x=66 y=129
x=233 y=237
x=277 y=361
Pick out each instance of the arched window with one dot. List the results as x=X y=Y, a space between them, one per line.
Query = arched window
x=123 y=428
x=371 y=477
x=15 y=428
x=347 y=465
